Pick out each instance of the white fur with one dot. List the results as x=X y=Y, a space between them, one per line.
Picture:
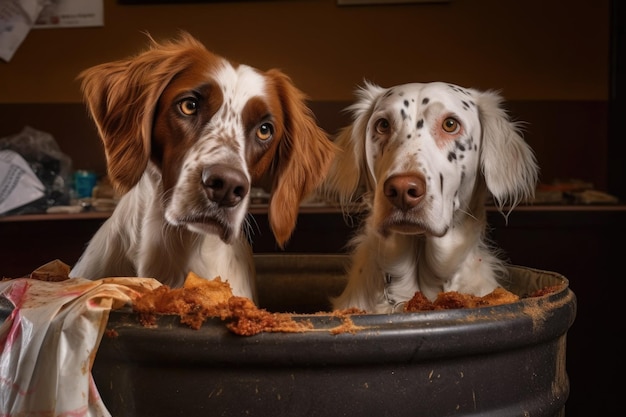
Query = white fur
x=433 y=239
x=137 y=241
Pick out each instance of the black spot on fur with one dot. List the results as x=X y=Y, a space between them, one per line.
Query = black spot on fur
x=425 y=101
x=404 y=115
x=406 y=103
x=458 y=89
x=459 y=145
x=441 y=183
x=420 y=123
x=465 y=105
x=451 y=156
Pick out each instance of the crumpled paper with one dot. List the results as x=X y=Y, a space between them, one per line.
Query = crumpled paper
x=49 y=342
x=16 y=19
x=19 y=185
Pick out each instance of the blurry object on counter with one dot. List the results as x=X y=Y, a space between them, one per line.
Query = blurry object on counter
x=573 y=191
x=73 y=209
x=104 y=197
x=591 y=197
x=48 y=162
x=18 y=183
x=84 y=183
x=104 y=189
x=259 y=196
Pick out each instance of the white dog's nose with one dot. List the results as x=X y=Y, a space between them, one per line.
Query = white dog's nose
x=405 y=191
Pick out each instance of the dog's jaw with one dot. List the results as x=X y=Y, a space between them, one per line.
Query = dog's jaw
x=220 y=223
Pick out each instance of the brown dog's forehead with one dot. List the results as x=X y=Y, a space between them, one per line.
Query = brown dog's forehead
x=233 y=101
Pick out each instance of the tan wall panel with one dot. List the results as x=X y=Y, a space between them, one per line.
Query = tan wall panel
x=530 y=50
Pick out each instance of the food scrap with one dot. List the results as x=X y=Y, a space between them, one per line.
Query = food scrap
x=452 y=299
x=200 y=299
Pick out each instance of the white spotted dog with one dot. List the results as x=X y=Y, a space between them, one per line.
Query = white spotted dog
x=424 y=157
x=186 y=134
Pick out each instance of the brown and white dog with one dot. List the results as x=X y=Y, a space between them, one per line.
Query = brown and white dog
x=424 y=157
x=186 y=134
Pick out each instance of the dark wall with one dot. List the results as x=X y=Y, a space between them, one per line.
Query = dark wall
x=529 y=50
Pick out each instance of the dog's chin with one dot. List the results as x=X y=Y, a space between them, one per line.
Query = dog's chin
x=410 y=228
x=225 y=233
x=405 y=229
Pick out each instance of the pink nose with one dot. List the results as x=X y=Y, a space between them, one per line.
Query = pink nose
x=405 y=191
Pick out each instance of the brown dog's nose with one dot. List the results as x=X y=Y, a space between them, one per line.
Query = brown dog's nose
x=225 y=185
x=405 y=191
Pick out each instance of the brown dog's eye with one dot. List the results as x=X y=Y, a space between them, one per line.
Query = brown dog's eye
x=188 y=106
x=382 y=126
x=451 y=125
x=265 y=132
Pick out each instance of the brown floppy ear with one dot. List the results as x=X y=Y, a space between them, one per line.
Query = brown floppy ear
x=122 y=113
x=121 y=97
x=301 y=161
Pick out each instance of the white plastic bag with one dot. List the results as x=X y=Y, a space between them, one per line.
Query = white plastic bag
x=49 y=342
x=19 y=185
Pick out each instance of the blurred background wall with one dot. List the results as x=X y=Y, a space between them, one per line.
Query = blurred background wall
x=549 y=59
x=530 y=50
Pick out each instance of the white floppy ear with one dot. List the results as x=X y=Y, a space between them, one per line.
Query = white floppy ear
x=343 y=177
x=508 y=163
x=348 y=170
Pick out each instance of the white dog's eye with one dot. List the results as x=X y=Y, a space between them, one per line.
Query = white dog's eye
x=188 y=106
x=382 y=126
x=451 y=125
x=265 y=132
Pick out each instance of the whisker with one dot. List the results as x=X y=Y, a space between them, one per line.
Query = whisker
x=468 y=214
x=249 y=225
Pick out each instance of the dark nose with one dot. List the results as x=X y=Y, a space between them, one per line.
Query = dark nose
x=225 y=185
x=405 y=191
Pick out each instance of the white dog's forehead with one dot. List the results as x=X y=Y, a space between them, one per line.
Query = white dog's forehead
x=417 y=140
x=453 y=97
